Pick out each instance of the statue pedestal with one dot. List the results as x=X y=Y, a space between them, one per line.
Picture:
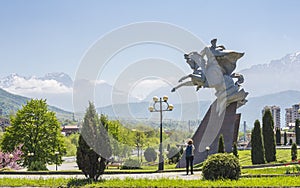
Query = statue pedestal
x=209 y=131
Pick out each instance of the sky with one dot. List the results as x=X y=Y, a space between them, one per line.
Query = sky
x=134 y=46
x=38 y=37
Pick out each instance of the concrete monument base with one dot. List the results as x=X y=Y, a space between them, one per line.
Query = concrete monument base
x=209 y=131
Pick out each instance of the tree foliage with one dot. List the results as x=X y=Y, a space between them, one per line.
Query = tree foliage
x=119 y=139
x=257 y=151
x=268 y=136
x=72 y=142
x=38 y=130
x=221 y=146
x=93 y=145
x=11 y=160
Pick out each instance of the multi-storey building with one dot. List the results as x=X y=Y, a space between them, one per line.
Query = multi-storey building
x=291 y=114
x=288 y=117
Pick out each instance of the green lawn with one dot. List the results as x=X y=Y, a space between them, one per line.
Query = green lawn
x=270 y=170
x=282 y=156
x=61 y=182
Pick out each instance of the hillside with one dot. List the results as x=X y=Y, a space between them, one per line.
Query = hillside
x=10 y=103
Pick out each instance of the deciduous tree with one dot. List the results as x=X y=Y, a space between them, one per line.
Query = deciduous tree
x=39 y=131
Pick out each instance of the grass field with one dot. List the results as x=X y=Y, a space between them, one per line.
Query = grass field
x=61 y=182
x=282 y=156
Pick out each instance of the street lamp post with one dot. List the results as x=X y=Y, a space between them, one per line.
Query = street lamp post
x=56 y=155
x=207 y=150
x=153 y=108
x=30 y=156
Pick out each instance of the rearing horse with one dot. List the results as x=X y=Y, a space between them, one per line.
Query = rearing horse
x=198 y=79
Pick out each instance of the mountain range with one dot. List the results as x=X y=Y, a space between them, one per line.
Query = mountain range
x=10 y=103
x=279 y=75
x=274 y=83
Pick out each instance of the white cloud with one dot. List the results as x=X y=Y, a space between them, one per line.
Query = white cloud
x=98 y=82
x=32 y=85
x=144 y=87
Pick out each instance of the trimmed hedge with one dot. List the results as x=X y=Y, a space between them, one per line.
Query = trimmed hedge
x=131 y=164
x=221 y=166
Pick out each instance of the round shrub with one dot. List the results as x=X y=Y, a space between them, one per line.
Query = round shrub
x=131 y=164
x=173 y=155
x=150 y=154
x=221 y=166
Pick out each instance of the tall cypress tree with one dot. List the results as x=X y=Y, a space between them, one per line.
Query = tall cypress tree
x=297 y=131
x=278 y=137
x=257 y=151
x=285 y=138
x=235 y=150
x=93 y=145
x=268 y=136
x=294 y=151
x=221 y=146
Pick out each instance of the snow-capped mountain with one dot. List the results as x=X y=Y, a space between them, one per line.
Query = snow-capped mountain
x=9 y=80
x=59 y=77
x=277 y=76
x=13 y=79
x=57 y=88
x=288 y=62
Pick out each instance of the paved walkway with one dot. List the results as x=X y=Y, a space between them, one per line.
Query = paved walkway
x=70 y=164
x=169 y=175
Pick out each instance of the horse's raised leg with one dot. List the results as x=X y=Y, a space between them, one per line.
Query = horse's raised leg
x=183 y=78
x=188 y=83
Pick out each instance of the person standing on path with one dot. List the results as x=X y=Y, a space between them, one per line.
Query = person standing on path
x=189 y=156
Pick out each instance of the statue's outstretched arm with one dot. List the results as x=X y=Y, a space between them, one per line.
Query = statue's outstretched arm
x=203 y=52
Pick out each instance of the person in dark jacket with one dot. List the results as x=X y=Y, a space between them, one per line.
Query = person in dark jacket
x=189 y=156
